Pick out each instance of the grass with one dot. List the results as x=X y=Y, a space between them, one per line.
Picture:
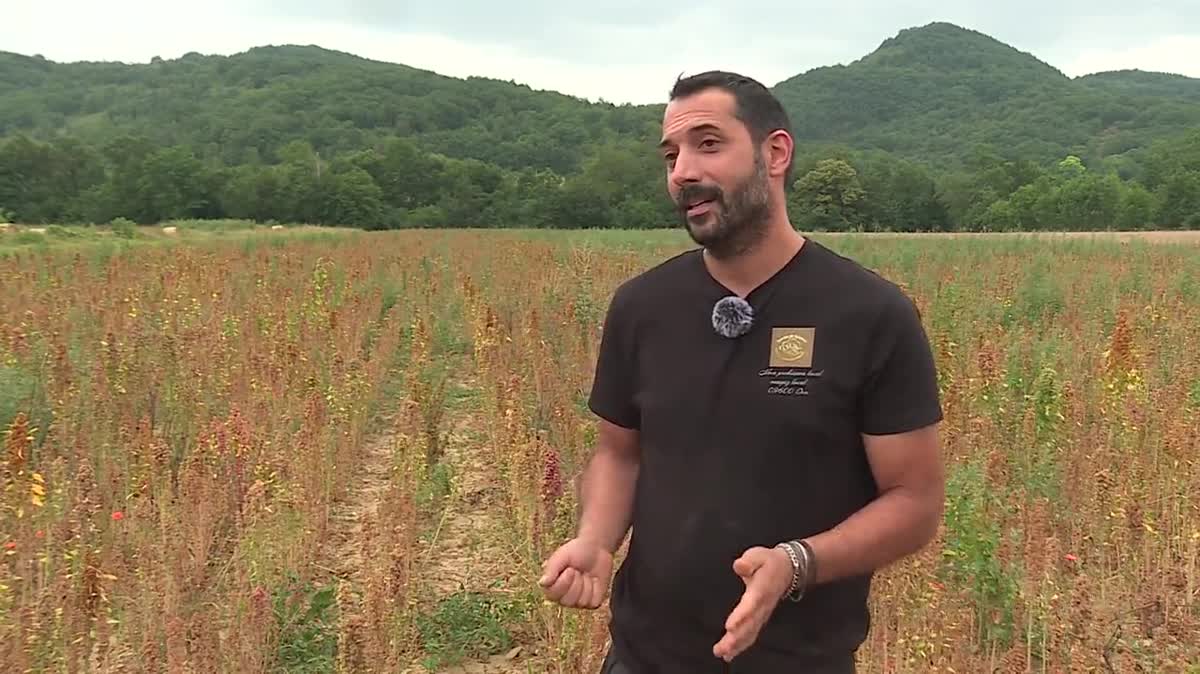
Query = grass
x=464 y=626
x=180 y=412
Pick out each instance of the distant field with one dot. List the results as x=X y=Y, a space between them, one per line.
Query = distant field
x=26 y=235
x=322 y=450
x=19 y=236
x=1166 y=236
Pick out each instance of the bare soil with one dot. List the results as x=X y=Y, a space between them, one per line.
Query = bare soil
x=469 y=551
x=344 y=551
x=360 y=510
x=466 y=552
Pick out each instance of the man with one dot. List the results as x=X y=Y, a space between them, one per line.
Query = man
x=768 y=417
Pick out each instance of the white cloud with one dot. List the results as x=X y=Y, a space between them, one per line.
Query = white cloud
x=129 y=30
x=1170 y=54
x=140 y=30
x=620 y=55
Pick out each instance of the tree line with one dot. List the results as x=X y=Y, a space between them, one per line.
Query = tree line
x=619 y=184
x=940 y=128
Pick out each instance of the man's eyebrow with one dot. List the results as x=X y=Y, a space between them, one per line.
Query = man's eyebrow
x=692 y=130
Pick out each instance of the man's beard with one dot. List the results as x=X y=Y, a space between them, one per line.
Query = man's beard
x=735 y=224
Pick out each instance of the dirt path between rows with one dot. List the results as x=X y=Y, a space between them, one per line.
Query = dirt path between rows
x=469 y=554
x=463 y=567
x=344 y=552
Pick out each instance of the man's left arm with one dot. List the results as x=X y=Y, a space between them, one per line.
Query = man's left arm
x=902 y=520
x=901 y=412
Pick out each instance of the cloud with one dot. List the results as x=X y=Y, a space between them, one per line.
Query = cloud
x=1158 y=55
x=541 y=28
x=621 y=50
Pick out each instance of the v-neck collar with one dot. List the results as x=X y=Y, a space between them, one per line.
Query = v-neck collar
x=762 y=287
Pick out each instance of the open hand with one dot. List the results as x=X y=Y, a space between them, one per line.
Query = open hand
x=577 y=574
x=767 y=573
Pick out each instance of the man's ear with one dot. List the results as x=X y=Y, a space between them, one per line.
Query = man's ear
x=779 y=149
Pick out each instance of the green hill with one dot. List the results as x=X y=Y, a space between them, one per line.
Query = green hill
x=1142 y=83
x=930 y=130
x=244 y=108
x=936 y=93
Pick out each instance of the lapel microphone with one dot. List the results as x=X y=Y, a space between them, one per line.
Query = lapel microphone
x=732 y=317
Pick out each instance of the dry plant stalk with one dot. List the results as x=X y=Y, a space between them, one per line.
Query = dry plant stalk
x=185 y=419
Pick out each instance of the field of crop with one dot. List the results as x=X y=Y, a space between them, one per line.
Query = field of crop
x=349 y=451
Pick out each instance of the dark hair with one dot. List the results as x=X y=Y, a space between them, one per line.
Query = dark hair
x=757 y=107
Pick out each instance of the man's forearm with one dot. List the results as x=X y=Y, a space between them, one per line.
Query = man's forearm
x=897 y=524
x=606 y=489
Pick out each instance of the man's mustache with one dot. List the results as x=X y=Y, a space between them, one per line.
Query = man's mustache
x=693 y=193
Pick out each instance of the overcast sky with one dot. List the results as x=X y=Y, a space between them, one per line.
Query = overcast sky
x=620 y=50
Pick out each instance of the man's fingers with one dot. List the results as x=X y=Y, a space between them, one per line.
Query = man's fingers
x=734 y=642
x=744 y=621
x=578 y=581
x=745 y=610
x=580 y=590
x=743 y=567
x=585 y=590
x=562 y=584
x=553 y=568
x=741 y=627
x=749 y=562
x=724 y=648
x=573 y=588
x=588 y=591
x=728 y=647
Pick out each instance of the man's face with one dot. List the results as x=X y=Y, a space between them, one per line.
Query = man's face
x=715 y=173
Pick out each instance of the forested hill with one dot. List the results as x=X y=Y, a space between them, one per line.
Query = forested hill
x=940 y=127
x=245 y=108
x=933 y=93
x=1138 y=82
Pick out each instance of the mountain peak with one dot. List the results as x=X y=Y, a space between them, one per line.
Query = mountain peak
x=948 y=47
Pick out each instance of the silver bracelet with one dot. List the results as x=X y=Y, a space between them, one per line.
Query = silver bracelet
x=795 y=558
x=803 y=567
x=801 y=563
x=805 y=562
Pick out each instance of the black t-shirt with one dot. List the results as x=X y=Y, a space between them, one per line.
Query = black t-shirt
x=751 y=441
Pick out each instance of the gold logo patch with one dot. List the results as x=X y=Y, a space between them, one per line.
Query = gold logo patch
x=792 y=347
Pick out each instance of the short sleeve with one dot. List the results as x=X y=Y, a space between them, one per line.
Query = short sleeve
x=612 y=395
x=900 y=388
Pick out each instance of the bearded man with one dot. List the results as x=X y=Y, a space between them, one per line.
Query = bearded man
x=768 y=413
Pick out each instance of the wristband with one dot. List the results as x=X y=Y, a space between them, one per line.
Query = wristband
x=810 y=565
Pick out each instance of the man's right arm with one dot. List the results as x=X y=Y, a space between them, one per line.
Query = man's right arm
x=606 y=487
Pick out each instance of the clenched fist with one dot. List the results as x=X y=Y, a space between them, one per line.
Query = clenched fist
x=577 y=574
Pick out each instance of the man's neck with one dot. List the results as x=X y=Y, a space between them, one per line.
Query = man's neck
x=744 y=272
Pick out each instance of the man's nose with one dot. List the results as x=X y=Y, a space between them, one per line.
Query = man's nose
x=685 y=169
